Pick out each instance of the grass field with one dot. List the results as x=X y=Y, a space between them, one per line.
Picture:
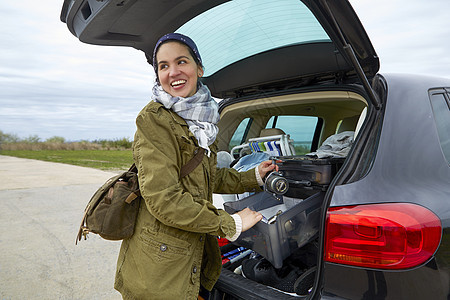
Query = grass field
x=99 y=159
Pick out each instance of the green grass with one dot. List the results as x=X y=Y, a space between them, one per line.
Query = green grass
x=99 y=159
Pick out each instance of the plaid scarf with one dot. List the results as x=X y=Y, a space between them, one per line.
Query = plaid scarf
x=200 y=111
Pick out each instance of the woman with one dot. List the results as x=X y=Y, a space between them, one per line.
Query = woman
x=174 y=249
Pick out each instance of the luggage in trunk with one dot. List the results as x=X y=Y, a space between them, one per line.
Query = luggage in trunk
x=307 y=173
x=296 y=222
x=291 y=217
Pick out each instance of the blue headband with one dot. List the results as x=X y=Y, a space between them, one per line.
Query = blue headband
x=178 y=37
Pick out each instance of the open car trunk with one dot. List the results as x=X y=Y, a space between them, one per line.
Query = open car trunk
x=297 y=71
x=279 y=256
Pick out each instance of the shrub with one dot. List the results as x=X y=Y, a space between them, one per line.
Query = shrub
x=32 y=139
x=33 y=142
x=8 y=138
x=123 y=143
x=56 y=139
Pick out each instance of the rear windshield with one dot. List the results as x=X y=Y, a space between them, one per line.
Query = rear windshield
x=238 y=29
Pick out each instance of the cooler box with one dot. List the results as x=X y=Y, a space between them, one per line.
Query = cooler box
x=293 y=228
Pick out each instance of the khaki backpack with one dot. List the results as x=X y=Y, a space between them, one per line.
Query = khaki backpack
x=112 y=210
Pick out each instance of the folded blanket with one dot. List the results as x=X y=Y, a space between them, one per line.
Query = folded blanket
x=337 y=145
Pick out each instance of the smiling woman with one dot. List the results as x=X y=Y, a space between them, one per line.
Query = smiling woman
x=177 y=228
x=177 y=70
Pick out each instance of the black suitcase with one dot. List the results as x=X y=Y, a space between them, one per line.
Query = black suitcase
x=292 y=229
x=307 y=173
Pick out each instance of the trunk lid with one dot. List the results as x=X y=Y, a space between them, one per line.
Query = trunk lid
x=247 y=46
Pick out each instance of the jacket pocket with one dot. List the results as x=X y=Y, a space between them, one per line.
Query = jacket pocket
x=157 y=266
x=161 y=246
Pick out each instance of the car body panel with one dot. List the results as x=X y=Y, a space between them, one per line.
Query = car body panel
x=353 y=283
x=417 y=165
x=421 y=169
x=403 y=171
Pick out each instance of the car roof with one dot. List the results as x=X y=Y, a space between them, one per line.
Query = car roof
x=245 y=45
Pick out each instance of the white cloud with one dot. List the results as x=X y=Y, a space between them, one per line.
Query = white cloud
x=52 y=84
x=408 y=36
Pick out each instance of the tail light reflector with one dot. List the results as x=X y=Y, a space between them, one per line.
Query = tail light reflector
x=384 y=236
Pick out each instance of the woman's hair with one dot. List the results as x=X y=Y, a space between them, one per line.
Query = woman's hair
x=181 y=39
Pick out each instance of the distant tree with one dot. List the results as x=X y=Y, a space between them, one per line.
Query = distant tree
x=123 y=143
x=8 y=138
x=32 y=139
x=56 y=139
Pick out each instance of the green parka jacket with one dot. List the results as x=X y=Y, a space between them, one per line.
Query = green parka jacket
x=174 y=247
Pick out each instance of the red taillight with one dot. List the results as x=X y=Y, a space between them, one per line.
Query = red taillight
x=383 y=236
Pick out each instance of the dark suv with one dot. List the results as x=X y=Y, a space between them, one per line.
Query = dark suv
x=360 y=208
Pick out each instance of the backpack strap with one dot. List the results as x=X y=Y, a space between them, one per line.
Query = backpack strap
x=132 y=196
x=133 y=168
x=193 y=163
x=185 y=170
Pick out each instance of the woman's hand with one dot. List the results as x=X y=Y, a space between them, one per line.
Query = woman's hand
x=265 y=167
x=249 y=218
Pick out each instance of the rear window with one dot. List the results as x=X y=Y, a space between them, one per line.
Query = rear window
x=441 y=111
x=248 y=27
x=301 y=130
x=240 y=134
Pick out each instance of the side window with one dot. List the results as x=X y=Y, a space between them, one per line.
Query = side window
x=300 y=128
x=441 y=111
x=240 y=134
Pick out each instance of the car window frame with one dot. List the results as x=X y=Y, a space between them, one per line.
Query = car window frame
x=445 y=93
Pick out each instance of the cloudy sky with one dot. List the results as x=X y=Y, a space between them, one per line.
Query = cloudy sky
x=53 y=85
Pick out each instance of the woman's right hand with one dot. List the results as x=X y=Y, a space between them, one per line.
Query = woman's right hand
x=249 y=218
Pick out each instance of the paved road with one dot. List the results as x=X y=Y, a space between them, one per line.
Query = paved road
x=41 y=205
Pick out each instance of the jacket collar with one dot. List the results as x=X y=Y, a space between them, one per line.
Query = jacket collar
x=179 y=120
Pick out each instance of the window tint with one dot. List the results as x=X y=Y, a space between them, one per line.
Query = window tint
x=300 y=128
x=248 y=27
x=240 y=134
x=441 y=110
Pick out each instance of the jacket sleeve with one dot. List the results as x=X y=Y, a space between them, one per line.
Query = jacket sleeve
x=230 y=181
x=158 y=158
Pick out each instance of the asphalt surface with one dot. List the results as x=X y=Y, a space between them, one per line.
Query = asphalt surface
x=41 y=206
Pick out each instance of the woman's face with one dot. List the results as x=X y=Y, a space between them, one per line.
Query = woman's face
x=177 y=71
